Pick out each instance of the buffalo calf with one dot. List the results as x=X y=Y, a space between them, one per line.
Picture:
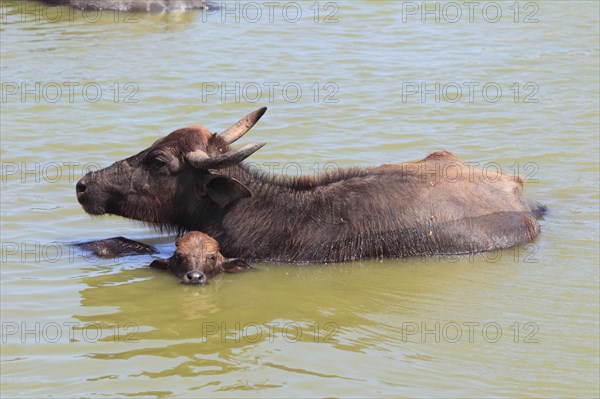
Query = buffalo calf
x=197 y=258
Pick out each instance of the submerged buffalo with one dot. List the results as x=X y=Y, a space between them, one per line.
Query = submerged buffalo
x=114 y=247
x=197 y=258
x=133 y=6
x=193 y=180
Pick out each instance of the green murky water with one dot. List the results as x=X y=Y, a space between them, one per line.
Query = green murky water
x=359 y=83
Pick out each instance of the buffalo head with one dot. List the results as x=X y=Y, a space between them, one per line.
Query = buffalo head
x=197 y=259
x=186 y=170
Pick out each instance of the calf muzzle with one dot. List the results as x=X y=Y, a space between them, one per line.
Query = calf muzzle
x=194 y=278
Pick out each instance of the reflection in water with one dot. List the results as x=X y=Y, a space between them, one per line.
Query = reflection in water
x=358 y=308
x=242 y=332
x=233 y=302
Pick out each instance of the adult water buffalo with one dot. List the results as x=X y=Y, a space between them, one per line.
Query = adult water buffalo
x=136 y=5
x=197 y=258
x=192 y=180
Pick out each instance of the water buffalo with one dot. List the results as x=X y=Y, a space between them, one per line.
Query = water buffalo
x=136 y=5
x=197 y=258
x=193 y=180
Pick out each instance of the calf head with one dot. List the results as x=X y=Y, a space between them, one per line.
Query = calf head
x=176 y=179
x=197 y=259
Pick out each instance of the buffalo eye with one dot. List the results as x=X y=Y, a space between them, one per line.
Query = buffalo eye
x=156 y=163
x=212 y=257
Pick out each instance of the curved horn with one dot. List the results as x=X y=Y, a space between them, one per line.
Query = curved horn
x=243 y=125
x=200 y=159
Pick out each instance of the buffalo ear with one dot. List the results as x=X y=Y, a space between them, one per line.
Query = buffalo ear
x=161 y=264
x=225 y=190
x=235 y=265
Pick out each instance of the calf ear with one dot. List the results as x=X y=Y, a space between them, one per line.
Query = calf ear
x=235 y=265
x=161 y=264
x=225 y=190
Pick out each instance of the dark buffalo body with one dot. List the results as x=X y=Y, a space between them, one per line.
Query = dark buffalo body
x=192 y=180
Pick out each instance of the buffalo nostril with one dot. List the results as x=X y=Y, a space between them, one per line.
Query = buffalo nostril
x=80 y=187
x=193 y=276
x=196 y=277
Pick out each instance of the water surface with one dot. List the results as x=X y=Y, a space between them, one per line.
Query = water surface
x=521 y=322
